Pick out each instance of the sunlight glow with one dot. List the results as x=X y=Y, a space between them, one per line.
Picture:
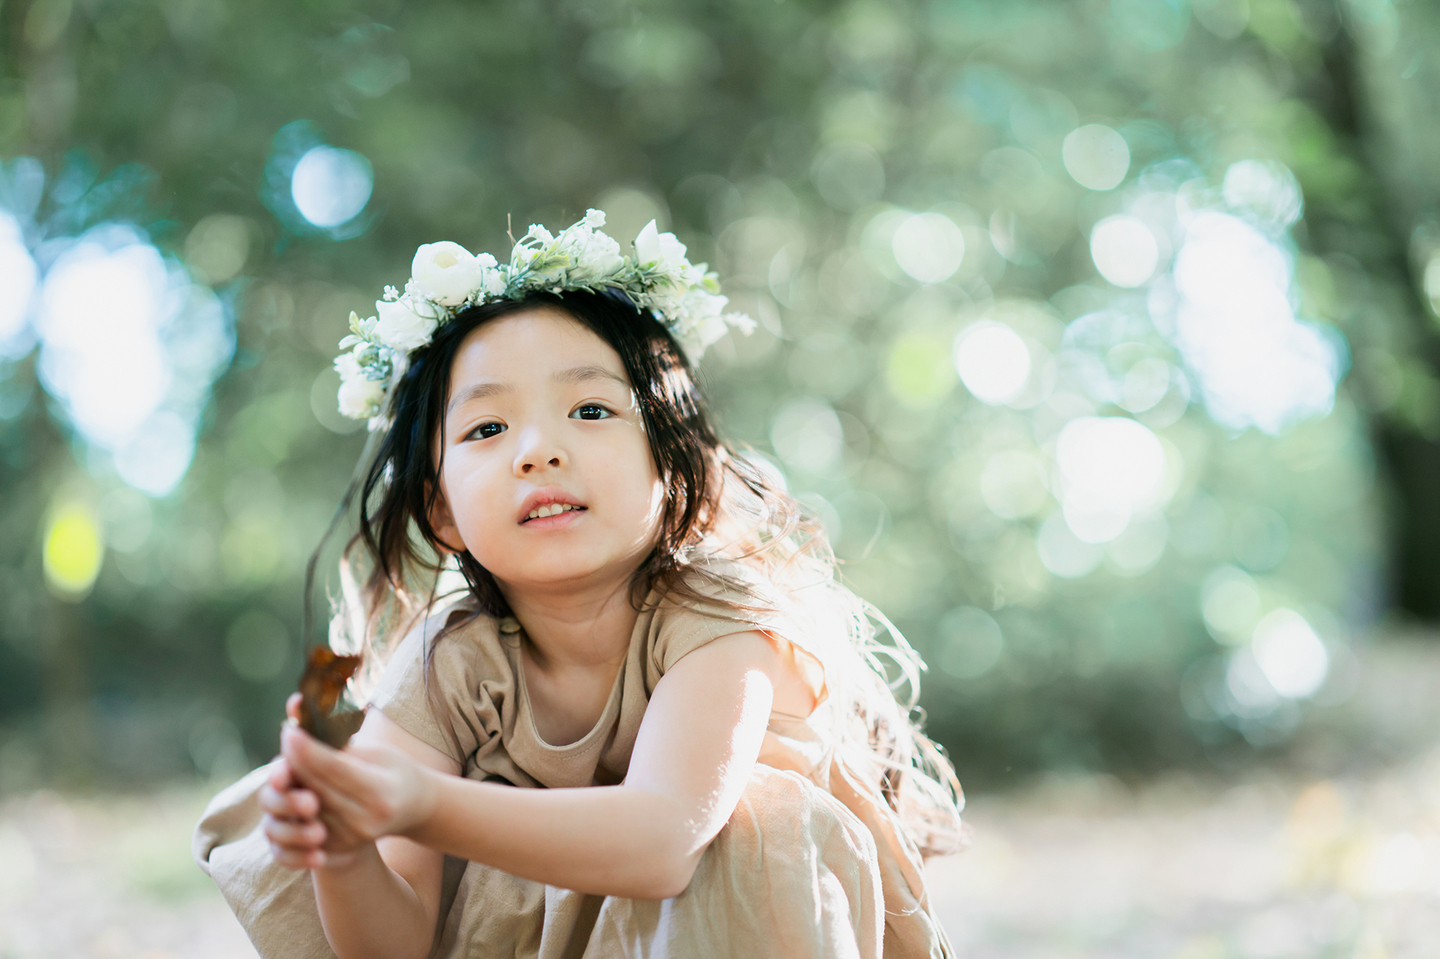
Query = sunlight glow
x=1124 y=250
x=1110 y=468
x=1266 y=188
x=330 y=186
x=929 y=247
x=1290 y=655
x=129 y=346
x=1096 y=156
x=1257 y=365
x=992 y=361
x=17 y=278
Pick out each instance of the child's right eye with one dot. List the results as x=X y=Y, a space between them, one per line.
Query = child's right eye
x=486 y=430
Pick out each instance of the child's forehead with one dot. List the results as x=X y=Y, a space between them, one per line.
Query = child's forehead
x=535 y=342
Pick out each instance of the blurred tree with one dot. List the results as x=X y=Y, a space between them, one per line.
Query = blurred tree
x=1057 y=303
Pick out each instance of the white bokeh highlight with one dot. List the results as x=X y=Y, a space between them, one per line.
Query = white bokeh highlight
x=1124 y=250
x=1256 y=364
x=17 y=279
x=1096 y=156
x=129 y=347
x=1109 y=468
x=1290 y=655
x=929 y=247
x=992 y=360
x=330 y=185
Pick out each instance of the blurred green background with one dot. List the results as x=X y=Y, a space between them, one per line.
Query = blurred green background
x=1100 y=333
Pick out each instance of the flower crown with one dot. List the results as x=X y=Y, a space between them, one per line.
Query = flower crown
x=446 y=278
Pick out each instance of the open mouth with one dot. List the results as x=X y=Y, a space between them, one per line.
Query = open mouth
x=551 y=509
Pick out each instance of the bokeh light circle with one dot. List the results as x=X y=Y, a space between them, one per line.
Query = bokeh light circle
x=1290 y=655
x=992 y=360
x=1124 y=250
x=1096 y=156
x=928 y=247
x=330 y=185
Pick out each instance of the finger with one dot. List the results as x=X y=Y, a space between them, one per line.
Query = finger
x=320 y=767
x=292 y=706
x=299 y=836
x=293 y=803
x=291 y=859
x=281 y=776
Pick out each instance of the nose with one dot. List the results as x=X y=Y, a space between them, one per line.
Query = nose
x=538 y=451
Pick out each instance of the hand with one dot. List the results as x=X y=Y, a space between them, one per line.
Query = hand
x=291 y=822
x=365 y=791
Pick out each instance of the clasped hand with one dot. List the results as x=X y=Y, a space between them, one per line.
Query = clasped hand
x=323 y=806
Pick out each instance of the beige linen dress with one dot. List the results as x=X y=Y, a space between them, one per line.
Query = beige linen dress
x=811 y=864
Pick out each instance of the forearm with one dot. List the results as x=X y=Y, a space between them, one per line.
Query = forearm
x=368 y=910
x=605 y=840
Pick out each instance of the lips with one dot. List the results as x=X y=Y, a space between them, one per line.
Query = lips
x=543 y=504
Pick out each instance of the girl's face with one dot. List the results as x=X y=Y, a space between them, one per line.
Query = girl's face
x=547 y=476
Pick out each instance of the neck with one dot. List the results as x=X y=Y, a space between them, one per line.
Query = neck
x=570 y=627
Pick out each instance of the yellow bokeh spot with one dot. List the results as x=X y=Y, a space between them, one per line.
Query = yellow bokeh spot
x=74 y=549
x=919 y=371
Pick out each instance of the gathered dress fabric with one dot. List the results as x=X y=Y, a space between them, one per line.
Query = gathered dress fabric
x=813 y=862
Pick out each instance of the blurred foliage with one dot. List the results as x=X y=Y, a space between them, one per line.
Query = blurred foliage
x=880 y=183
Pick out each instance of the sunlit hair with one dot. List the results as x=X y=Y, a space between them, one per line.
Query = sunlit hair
x=722 y=512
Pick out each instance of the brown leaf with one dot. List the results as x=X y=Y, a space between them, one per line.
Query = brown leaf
x=320 y=687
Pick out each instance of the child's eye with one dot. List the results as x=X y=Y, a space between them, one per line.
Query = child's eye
x=591 y=411
x=486 y=430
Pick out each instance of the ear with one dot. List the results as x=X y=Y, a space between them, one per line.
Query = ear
x=442 y=522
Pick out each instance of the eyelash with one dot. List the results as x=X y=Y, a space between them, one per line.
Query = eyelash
x=477 y=432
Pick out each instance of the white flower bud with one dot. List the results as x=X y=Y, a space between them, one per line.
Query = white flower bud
x=405 y=325
x=360 y=398
x=662 y=251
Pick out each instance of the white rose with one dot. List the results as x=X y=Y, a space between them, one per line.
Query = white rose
x=661 y=250
x=595 y=254
x=403 y=324
x=347 y=366
x=447 y=272
x=360 y=398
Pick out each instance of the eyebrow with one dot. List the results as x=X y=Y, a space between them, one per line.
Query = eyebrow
x=575 y=375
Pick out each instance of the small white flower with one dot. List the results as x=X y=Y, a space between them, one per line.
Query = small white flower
x=360 y=398
x=595 y=255
x=540 y=233
x=405 y=325
x=594 y=219
x=661 y=251
x=447 y=272
x=348 y=367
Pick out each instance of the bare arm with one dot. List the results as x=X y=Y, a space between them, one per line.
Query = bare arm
x=692 y=759
x=376 y=898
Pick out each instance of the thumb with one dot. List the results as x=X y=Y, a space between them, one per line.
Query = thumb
x=292 y=707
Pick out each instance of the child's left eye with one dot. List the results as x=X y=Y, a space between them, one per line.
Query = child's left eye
x=590 y=411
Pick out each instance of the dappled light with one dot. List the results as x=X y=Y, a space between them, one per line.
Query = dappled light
x=1099 y=338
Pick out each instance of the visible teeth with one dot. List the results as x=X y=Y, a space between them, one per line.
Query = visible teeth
x=550 y=509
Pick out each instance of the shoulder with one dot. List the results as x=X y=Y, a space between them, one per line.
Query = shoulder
x=718 y=598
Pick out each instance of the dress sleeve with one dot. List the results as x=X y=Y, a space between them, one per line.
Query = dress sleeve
x=681 y=626
x=462 y=684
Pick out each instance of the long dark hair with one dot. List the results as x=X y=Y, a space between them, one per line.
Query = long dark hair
x=718 y=504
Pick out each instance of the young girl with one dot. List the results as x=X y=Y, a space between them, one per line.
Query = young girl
x=650 y=642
